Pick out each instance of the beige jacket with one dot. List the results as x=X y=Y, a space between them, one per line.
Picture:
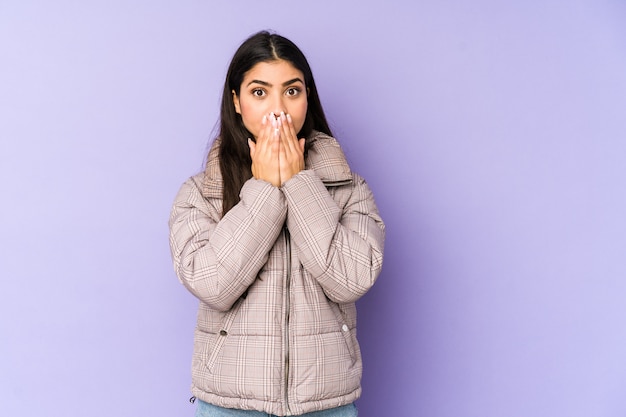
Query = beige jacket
x=277 y=279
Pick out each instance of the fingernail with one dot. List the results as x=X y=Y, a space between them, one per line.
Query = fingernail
x=289 y=118
x=264 y=121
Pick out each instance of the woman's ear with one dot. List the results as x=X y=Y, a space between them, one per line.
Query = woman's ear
x=236 y=102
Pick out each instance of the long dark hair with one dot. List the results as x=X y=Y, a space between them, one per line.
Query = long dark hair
x=234 y=153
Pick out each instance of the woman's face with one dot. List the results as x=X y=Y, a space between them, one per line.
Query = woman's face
x=271 y=87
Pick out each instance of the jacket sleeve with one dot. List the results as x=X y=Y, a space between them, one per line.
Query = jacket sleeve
x=341 y=247
x=218 y=259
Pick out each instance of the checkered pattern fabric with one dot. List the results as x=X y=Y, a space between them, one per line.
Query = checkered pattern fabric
x=277 y=278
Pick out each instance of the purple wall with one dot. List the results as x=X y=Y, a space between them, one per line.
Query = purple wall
x=493 y=135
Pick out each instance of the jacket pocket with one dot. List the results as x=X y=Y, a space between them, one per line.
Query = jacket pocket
x=347 y=333
x=221 y=336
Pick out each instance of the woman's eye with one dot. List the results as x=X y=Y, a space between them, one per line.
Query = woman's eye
x=258 y=92
x=293 y=91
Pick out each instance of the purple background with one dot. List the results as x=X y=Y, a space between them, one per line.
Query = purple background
x=493 y=135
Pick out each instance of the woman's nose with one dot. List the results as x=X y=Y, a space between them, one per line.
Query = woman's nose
x=278 y=106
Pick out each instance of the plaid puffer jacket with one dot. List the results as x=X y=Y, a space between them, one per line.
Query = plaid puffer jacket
x=277 y=278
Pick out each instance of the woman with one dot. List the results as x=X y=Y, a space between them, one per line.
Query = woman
x=277 y=238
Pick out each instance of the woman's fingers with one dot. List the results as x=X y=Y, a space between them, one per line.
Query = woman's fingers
x=278 y=154
x=264 y=152
x=288 y=135
x=287 y=132
x=291 y=157
x=302 y=142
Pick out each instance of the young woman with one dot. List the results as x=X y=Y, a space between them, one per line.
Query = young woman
x=277 y=238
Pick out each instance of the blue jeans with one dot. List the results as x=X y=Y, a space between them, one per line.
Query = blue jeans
x=210 y=410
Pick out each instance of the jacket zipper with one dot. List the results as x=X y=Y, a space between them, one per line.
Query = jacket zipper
x=287 y=309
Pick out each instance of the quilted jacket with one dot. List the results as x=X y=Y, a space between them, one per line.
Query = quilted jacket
x=277 y=278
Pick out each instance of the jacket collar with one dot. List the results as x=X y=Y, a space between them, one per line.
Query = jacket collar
x=324 y=156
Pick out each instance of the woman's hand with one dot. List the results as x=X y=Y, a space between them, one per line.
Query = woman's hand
x=291 y=153
x=265 y=151
x=278 y=154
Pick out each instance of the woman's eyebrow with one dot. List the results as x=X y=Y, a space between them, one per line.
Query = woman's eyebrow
x=286 y=83
x=295 y=80
x=265 y=83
